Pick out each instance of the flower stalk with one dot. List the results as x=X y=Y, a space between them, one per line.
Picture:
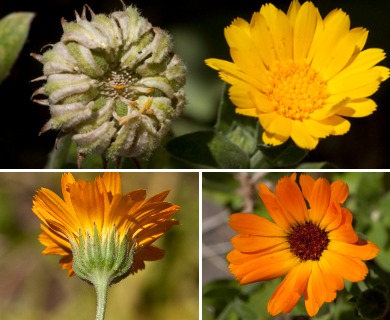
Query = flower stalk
x=101 y=288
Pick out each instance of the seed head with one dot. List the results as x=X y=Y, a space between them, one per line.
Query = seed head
x=113 y=83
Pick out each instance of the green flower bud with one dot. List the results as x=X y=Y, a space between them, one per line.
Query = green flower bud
x=372 y=304
x=113 y=83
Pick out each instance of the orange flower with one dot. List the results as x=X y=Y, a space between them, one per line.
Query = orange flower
x=100 y=206
x=311 y=241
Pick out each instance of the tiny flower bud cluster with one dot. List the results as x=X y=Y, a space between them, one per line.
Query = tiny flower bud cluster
x=113 y=83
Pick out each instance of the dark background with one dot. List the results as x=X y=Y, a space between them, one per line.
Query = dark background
x=364 y=146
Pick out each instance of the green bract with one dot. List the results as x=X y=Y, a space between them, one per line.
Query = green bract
x=113 y=83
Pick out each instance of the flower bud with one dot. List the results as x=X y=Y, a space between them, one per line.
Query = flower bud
x=113 y=83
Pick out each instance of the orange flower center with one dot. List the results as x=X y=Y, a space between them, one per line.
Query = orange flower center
x=295 y=89
x=308 y=241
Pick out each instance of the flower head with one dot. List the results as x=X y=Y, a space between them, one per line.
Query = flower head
x=113 y=83
x=95 y=227
x=300 y=74
x=311 y=240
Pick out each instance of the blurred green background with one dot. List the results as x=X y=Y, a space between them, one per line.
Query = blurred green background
x=32 y=286
x=197 y=29
x=227 y=193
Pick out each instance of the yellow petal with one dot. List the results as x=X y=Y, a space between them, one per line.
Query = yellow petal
x=304 y=26
x=293 y=10
x=345 y=50
x=364 y=61
x=273 y=139
x=230 y=73
x=262 y=38
x=359 y=85
x=301 y=137
x=280 y=125
x=336 y=26
x=316 y=128
x=281 y=31
x=237 y=35
x=358 y=108
x=338 y=124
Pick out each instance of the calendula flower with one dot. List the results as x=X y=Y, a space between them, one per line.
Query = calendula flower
x=113 y=83
x=300 y=74
x=311 y=240
x=102 y=234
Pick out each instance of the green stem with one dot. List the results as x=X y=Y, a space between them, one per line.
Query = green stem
x=101 y=288
x=58 y=155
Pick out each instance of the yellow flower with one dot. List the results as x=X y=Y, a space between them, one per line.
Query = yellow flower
x=311 y=241
x=299 y=74
x=98 y=210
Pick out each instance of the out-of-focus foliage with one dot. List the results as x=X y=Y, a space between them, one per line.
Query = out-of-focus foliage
x=369 y=201
x=14 y=29
x=32 y=286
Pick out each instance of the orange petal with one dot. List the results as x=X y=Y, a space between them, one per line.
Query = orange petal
x=307 y=184
x=363 y=249
x=48 y=205
x=291 y=198
x=66 y=263
x=66 y=179
x=55 y=242
x=345 y=231
x=315 y=293
x=112 y=181
x=349 y=268
x=282 y=218
x=319 y=200
x=332 y=218
x=339 y=190
x=89 y=204
x=251 y=243
x=333 y=280
x=266 y=267
x=248 y=223
x=290 y=290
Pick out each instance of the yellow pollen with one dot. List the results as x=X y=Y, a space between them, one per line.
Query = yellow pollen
x=295 y=89
x=119 y=87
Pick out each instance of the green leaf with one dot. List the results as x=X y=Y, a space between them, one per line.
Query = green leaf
x=208 y=149
x=14 y=29
x=219 y=293
x=284 y=155
x=242 y=130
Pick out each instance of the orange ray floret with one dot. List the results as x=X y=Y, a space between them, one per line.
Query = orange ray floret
x=310 y=241
x=100 y=204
